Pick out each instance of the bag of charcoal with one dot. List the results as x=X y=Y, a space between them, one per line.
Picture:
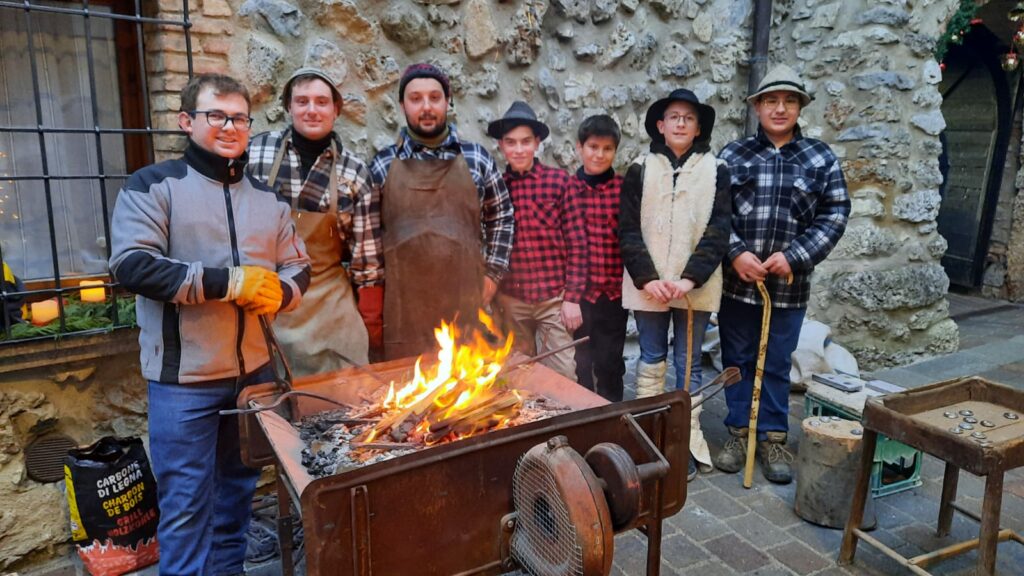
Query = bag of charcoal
x=112 y=500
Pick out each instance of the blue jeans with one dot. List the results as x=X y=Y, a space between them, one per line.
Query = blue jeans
x=739 y=326
x=204 y=489
x=653 y=328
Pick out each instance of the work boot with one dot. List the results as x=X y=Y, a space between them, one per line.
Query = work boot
x=775 y=459
x=733 y=456
x=650 y=378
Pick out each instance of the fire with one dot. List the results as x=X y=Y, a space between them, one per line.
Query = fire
x=457 y=396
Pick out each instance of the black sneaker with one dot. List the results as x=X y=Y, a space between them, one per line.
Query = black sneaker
x=691 y=472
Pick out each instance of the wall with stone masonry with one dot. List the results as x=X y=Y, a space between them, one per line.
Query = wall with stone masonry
x=995 y=281
x=1015 y=248
x=883 y=289
x=868 y=63
x=84 y=393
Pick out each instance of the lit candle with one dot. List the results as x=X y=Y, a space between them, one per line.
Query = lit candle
x=44 y=312
x=93 y=294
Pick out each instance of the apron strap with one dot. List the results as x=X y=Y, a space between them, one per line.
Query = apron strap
x=332 y=185
x=286 y=139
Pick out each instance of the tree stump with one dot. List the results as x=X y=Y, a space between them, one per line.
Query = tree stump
x=827 y=470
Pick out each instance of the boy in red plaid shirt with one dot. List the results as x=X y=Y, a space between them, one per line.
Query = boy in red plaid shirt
x=596 y=187
x=540 y=294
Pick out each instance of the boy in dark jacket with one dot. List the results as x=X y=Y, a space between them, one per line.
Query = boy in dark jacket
x=597 y=188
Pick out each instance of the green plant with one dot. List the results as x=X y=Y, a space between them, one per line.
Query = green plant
x=958 y=27
x=78 y=317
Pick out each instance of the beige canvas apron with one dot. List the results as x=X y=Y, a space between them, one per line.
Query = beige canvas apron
x=326 y=328
x=432 y=251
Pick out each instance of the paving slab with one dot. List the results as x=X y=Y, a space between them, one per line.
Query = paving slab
x=799 y=558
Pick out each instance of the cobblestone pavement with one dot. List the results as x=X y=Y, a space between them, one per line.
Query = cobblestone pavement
x=724 y=529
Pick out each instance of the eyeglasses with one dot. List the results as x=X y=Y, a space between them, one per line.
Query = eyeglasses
x=218 y=119
x=684 y=119
x=772 y=102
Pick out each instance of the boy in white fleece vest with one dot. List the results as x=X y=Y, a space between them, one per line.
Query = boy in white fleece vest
x=674 y=231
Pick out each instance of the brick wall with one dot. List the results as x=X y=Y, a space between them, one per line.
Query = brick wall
x=211 y=34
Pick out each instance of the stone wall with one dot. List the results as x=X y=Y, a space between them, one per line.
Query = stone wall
x=995 y=282
x=1015 y=249
x=87 y=389
x=883 y=289
x=868 y=63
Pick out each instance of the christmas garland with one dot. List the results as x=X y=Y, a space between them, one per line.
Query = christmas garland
x=958 y=27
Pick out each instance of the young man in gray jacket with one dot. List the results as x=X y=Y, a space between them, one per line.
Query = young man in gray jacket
x=207 y=250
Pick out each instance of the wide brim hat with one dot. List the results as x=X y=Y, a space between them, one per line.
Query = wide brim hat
x=518 y=114
x=782 y=78
x=705 y=115
x=312 y=71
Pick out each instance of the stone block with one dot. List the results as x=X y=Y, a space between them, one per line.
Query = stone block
x=481 y=34
x=377 y=70
x=920 y=206
x=326 y=55
x=354 y=108
x=931 y=123
x=621 y=43
x=884 y=15
x=406 y=27
x=872 y=80
x=912 y=286
x=825 y=16
x=345 y=17
x=865 y=239
x=262 y=63
x=284 y=19
x=578 y=10
x=677 y=61
x=603 y=10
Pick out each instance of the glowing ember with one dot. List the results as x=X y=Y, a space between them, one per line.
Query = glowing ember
x=458 y=396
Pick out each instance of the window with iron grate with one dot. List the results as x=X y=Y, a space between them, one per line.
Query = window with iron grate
x=74 y=123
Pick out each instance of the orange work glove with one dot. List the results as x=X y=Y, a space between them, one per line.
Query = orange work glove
x=371 y=308
x=256 y=289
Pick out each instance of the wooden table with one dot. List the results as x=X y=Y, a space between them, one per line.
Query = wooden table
x=925 y=418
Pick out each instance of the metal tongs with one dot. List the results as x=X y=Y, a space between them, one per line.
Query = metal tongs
x=282 y=378
x=728 y=377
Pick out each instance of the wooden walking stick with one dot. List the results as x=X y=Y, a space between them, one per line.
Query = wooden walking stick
x=755 y=403
x=689 y=341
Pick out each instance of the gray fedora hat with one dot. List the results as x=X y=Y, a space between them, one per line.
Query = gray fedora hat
x=518 y=114
x=705 y=115
x=785 y=79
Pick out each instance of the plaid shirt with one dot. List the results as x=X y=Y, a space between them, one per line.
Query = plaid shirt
x=548 y=254
x=496 y=220
x=600 y=206
x=358 y=209
x=791 y=200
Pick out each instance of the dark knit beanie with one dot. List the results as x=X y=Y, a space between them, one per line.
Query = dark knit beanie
x=423 y=70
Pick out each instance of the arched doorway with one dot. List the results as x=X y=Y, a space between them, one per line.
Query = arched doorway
x=977 y=106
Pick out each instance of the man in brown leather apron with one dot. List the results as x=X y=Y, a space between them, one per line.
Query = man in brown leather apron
x=330 y=196
x=446 y=217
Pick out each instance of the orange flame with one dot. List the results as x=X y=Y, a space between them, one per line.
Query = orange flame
x=467 y=370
